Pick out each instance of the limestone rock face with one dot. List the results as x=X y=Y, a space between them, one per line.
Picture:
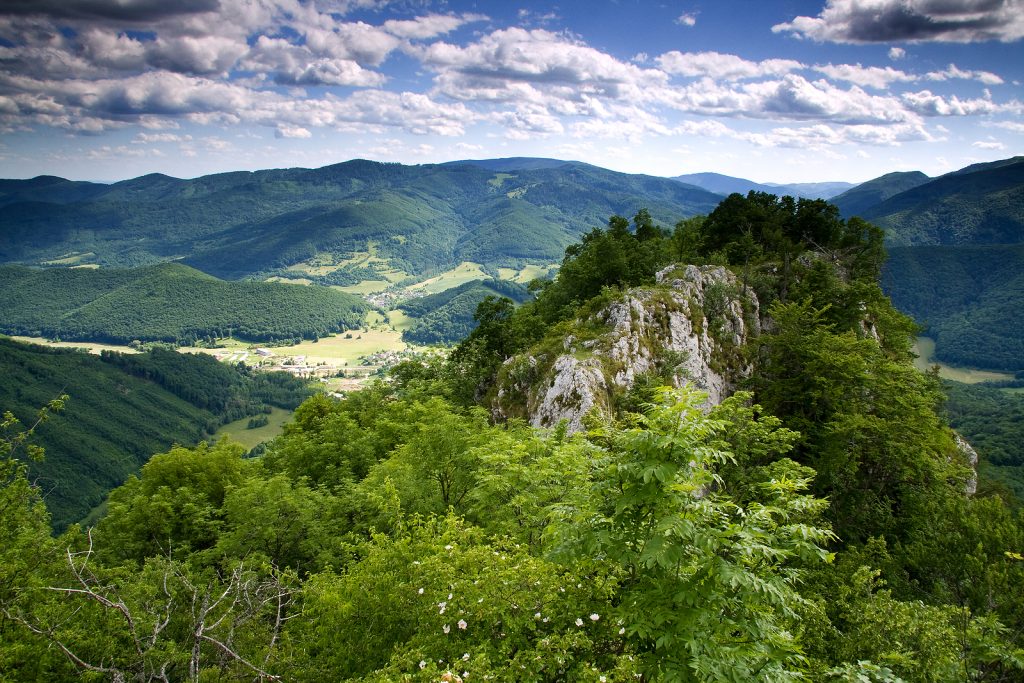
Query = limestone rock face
x=687 y=329
x=971 y=456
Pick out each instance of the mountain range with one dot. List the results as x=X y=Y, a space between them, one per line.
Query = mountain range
x=361 y=220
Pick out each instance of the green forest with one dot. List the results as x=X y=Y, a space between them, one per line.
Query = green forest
x=813 y=527
x=124 y=408
x=167 y=303
x=447 y=317
x=971 y=298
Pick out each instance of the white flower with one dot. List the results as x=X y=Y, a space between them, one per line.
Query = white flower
x=465 y=657
x=447 y=547
x=537 y=615
x=579 y=622
x=423 y=664
x=420 y=591
x=622 y=631
x=602 y=679
x=462 y=624
x=595 y=617
x=446 y=628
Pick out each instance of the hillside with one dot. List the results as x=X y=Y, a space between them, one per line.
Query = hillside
x=981 y=204
x=970 y=297
x=447 y=317
x=169 y=302
x=420 y=218
x=121 y=410
x=863 y=197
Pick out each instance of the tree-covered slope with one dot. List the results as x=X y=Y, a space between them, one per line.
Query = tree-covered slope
x=447 y=317
x=982 y=204
x=168 y=302
x=970 y=297
x=421 y=217
x=863 y=197
x=121 y=410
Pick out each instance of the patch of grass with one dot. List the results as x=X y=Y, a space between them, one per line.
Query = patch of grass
x=924 y=347
x=461 y=274
x=250 y=438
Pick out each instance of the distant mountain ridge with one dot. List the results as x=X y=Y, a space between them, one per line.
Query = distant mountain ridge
x=725 y=185
x=242 y=224
x=979 y=204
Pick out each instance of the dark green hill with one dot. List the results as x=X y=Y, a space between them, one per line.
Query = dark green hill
x=423 y=218
x=983 y=204
x=122 y=409
x=970 y=297
x=447 y=317
x=169 y=302
x=857 y=200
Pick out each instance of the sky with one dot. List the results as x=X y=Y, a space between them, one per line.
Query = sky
x=787 y=91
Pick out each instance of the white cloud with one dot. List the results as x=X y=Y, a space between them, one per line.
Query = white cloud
x=991 y=143
x=687 y=19
x=723 y=66
x=868 y=76
x=954 y=72
x=1014 y=126
x=286 y=131
x=429 y=26
x=897 y=53
x=873 y=21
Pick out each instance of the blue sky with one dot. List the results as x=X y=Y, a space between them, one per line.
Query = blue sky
x=789 y=91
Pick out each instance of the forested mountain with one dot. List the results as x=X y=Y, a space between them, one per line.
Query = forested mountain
x=169 y=302
x=971 y=298
x=863 y=197
x=814 y=527
x=421 y=218
x=980 y=204
x=121 y=410
x=725 y=185
x=447 y=317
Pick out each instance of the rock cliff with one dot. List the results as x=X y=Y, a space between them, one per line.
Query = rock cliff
x=688 y=329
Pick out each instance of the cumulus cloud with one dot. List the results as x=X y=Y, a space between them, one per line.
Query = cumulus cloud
x=953 y=72
x=874 y=21
x=687 y=19
x=870 y=76
x=897 y=53
x=723 y=66
x=285 y=131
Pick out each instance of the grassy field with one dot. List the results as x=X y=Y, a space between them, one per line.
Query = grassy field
x=85 y=346
x=290 y=280
x=530 y=272
x=463 y=273
x=239 y=429
x=925 y=349
x=364 y=287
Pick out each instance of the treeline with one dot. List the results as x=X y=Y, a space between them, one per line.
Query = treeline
x=447 y=317
x=167 y=303
x=971 y=298
x=122 y=409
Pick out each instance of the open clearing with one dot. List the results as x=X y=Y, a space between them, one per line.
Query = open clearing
x=461 y=274
x=527 y=274
x=91 y=347
x=250 y=438
x=924 y=347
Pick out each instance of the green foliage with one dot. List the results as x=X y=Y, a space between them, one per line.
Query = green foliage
x=709 y=585
x=169 y=303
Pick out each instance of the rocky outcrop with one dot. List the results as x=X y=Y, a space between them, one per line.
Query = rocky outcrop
x=688 y=330
x=971 y=456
